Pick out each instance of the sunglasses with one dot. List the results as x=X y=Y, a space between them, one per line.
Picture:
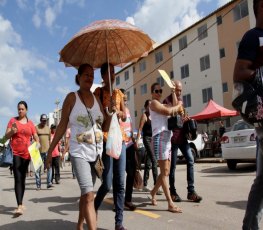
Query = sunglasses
x=159 y=91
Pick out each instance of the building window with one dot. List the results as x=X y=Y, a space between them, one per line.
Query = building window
x=142 y=66
x=133 y=69
x=143 y=89
x=118 y=80
x=204 y=63
x=207 y=94
x=170 y=48
x=128 y=95
x=160 y=81
x=202 y=32
x=219 y=20
x=222 y=53
x=187 y=100
x=182 y=43
x=184 y=71
x=225 y=87
x=134 y=91
x=158 y=57
x=126 y=75
x=240 y=11
x=172 y=74
x=135 y=113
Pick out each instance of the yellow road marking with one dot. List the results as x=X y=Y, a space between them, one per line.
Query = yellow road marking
x=139 y=211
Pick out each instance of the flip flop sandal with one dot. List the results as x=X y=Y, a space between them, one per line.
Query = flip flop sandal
x=175 y=209
x=153 y=201
x=19 y=211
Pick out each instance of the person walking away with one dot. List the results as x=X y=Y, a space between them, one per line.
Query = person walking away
x=179 y=141
x=20 y=130
x=145 y=129
x=161 y=141
x=249 y=58
x=43 y=132
x=114 y=170
x=83 y=114
x=66 y=150
x=130 y=155
x=55 y=158
x=222 y=129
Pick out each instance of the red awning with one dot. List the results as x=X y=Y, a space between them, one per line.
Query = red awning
x=213 y=110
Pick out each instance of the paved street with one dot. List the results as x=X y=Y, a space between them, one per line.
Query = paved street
x=224 y=200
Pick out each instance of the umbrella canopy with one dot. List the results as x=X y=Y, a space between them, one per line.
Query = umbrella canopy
x=212 y=111
x=113 y=41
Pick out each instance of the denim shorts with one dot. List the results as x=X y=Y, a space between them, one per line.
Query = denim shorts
x=85 y=174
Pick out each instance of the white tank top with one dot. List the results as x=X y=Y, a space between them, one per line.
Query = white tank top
x=84 y=136
x=159 y=122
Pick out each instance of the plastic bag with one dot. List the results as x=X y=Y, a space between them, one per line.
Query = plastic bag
x=35 y=156
x=6 y=158
x=114 y=140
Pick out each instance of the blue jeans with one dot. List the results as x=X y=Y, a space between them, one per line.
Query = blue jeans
x=113 y=173
x=255 y=199
x=38 y=172
x=186 y=151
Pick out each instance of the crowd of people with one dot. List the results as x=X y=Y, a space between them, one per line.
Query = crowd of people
x=86 y=120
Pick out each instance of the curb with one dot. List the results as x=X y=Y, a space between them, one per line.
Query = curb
x=210 y=160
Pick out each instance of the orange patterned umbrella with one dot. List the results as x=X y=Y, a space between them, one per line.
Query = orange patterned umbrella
x=111 y=41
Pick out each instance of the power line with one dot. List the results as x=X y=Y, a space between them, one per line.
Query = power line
x=192 y=41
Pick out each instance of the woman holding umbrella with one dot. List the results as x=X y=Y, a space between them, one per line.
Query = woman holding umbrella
x=114 y=170
x=83 y=114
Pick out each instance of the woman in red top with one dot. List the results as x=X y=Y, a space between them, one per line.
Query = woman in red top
x=19 y=131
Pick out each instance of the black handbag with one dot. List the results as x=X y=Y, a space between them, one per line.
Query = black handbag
x=6 y=158
x=175 y=122
x=248 y=98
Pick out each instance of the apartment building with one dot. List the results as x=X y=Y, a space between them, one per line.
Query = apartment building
x=202 y=57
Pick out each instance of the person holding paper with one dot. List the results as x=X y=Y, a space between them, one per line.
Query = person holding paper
x=179 y=141
x=20 y=130
x=161 y=141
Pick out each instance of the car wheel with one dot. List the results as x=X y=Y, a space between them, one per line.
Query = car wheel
x=194 y=153
x=231 y=164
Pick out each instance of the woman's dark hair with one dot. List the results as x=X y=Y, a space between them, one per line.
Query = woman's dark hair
x=153 y=86
x=146 y=103
x=123 y=90
x=255 y=6
x=81 y=69
x=104 y=68
x=22 y=103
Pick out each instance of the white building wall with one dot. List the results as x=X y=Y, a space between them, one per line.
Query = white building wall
x=198 y=80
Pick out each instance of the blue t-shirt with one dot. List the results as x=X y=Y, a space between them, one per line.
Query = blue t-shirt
x=251 y=47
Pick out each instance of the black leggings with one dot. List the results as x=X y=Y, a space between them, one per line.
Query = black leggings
x=20 y=168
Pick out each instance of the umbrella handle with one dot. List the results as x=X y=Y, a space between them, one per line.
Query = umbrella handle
x=107 y=111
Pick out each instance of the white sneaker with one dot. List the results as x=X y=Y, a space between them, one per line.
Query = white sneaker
x=146 y=189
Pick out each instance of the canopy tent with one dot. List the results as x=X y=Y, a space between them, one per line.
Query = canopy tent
x=212 y=111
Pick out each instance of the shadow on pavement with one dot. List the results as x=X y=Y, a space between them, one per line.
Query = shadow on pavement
x=235 y=204
x=42 y=225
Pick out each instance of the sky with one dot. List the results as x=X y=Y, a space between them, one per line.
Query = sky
x=32 y=32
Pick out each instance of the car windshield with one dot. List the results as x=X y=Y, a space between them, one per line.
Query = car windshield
x=240 y=125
